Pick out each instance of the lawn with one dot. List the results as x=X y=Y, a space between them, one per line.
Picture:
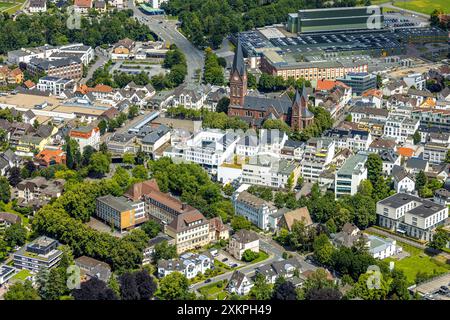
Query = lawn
x=424 y=6
x=418 y=261
x=262 y=256
x=213 y=292
x=22 y=275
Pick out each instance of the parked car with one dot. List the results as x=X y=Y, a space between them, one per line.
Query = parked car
x=207 y=280
x=234 y=265
x=224 y=259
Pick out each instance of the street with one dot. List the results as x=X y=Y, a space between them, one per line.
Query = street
x=167 y=30
x=102 y=58
x=275 y=252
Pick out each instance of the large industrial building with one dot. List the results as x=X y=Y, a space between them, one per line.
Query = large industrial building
x=333 y=19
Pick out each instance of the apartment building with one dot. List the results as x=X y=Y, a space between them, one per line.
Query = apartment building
x=54 y=85
x=38 y=189
x=319 y=152
x=120 y=212
x=355 y=140
x=254 y=209
x=243 y=240
x=432 y=117
x=189 y=264
x=42 y=253
x=400 y=128
x=8 y=219
x=68 y=68
x=190 y=231
x=403 y=181
x=390 y=159
x=359 y=112
x=270 y=172
x=410 y=215
x=6 y=273
x=350 y=175
x=248 y=145
x=86 y=136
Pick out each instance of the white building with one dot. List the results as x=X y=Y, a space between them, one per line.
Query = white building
x=209 y=148
x=400 y=128
x=319 y=152
x=270 y=172
x=248 y=145
x=189 y=264
x=390 y=159
x=380 y=248
x=271 y=141
x=403 y=182
x=415 y=80
x=86 y=136
x=54 y=85
x=254 y=209
x=355 y=140
x=239 y=284
x=350 y=175
x=410 y=215
x=37 y=6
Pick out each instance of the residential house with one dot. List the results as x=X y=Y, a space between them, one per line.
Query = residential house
x=121 y=143
x=8 y=219
x=415 y=165
x=150 y=249
x=403 y=181
x=51 y=156
x=442 y=197
x=348 y=236
x=153 y=138
x=389 y=159
x=285 y=268
x=243 y=240
x=218 y=230
x=38 y=191
x=82 y=6
x=36 y=6
x=288 y=219
x=380 y=248
x=93 y=268
x=239 y=284
x=189 y=264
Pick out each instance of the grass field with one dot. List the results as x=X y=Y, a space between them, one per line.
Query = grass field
x=424 y=6
x=418 y=261
x=213 y=292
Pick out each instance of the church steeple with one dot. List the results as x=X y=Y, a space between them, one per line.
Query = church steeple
x=301 y=117
x=238 y=78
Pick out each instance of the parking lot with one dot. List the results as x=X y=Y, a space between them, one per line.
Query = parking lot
x=227 y=259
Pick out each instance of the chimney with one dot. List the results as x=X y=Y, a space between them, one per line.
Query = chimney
x=183 y=206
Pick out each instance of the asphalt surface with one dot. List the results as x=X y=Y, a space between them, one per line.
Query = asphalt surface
x=102 y=58
x=167 y=30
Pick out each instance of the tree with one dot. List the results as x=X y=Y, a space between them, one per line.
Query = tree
x=376 y=290
x=174 y=286
x=73 y=155
x=133 y=112
x=164 y=250
x=228 y=189
x=99 y=164
x=103 y=125
x=284 y=290
x=300 y=237
x=5 y=190
x=14 y=176
x=447 y=157
x=15 y=235
x=374 y=166
x=421 y=180
x=222 y=105
x=140 y=172
x=52 y=284
x=261 y=289
x=440 y=239
x=324 y=294
x=290 y=181
x=94 y=289
x=3 y=249
x=323 y=249
x=239 y=222
x=88 y=151
x=146 y=284
x=398 y=289
x=128 y=158
x=249 y=255
x=416 y=137
x=128 y=287
x=22 y=291
x=151 y=228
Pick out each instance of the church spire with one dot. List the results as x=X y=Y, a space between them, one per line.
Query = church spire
x=238 y=61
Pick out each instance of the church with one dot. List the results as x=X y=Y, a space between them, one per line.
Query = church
x=255 y=109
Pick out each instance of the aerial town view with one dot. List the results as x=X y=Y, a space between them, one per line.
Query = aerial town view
x=232 y=150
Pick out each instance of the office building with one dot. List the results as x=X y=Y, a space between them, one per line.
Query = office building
x=359 y=82
x=350 y=175
x=42 y=253
x=120 y=212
